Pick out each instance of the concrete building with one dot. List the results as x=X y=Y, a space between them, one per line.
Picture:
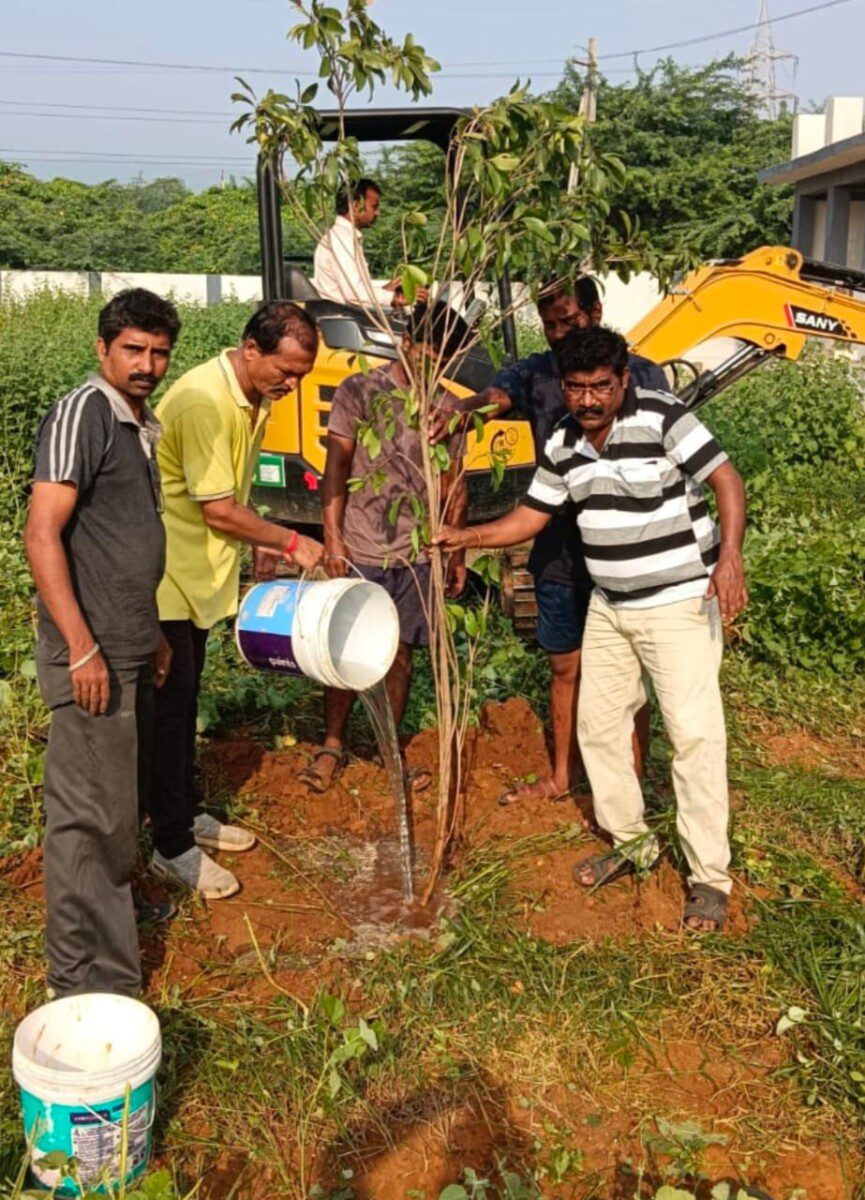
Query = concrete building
x=827 y=169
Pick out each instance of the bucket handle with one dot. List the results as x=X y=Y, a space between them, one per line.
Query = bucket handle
x=305 y=575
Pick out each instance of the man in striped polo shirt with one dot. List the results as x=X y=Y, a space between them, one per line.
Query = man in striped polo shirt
x=96 y=546
x=633 y=462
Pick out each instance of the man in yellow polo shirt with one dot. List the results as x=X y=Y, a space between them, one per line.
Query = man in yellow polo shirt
x=213 y=420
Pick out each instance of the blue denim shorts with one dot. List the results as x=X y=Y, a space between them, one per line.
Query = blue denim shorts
x=562 y=612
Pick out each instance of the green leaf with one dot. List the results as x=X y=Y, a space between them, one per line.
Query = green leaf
x=505 y=162
x=454 y=1191
x=413 y=277
x=334 y=1083
x=333 y=1008
x=368 y=1034
x=393 y=511
x=309 y=94
x=54 y=1160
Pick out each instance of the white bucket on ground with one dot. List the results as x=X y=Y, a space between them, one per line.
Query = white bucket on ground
x=73 y=1060
x=342 y=632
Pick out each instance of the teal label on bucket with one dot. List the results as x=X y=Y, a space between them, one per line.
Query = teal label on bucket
x=92 y=1135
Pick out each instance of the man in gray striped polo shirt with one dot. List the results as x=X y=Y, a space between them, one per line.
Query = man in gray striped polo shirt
x=634 y=461
x=96 y=546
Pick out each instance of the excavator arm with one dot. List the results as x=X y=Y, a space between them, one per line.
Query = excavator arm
x=771 y=301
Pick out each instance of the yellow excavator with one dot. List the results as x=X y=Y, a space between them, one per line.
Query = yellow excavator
x=770 y=301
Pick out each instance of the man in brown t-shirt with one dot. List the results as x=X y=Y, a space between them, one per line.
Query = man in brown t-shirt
x=375 y=528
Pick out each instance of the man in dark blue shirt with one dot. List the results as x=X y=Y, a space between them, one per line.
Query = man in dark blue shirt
x=531 y=389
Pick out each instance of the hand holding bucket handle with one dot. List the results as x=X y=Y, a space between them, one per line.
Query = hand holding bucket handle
x=304 y=552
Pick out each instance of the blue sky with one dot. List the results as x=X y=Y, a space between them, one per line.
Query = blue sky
x=53 y=115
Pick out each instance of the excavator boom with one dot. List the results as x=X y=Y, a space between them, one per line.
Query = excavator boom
x=771 y=301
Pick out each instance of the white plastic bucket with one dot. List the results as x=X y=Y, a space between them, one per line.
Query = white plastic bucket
x=342 y=632
x=73 y=1060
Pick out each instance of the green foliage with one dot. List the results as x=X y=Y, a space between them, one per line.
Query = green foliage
x=46 y=348
x=694 y=139
x=63 y=225
x=796 y=432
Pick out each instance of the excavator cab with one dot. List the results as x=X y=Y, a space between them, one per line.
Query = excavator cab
x=293 y=453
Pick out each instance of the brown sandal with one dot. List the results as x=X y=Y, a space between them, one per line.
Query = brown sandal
x=318 y=783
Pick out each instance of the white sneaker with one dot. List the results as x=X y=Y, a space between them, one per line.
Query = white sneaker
x=216 y=836
x=196 y=870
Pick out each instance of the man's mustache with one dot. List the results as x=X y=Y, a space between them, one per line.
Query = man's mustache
x=142 y=377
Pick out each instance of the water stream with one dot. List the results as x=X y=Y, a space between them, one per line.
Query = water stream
x=380 y=714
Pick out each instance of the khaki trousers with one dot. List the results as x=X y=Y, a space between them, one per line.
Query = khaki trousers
x=679 y=647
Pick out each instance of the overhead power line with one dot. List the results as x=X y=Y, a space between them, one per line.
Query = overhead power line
x=114 y=108
x=506 y=68
x=67 y=116
x=108 y=156
x=710 y=37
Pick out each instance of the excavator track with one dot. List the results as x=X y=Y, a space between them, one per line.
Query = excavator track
x=519 y=603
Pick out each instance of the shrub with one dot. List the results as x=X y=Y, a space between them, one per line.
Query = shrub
x=796 y=432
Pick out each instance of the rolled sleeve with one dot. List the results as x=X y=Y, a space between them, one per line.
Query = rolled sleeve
x=348 y=409
x=547 y=492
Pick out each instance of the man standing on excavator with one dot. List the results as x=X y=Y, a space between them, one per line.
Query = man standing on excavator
x=531 y=388
x=341 y=272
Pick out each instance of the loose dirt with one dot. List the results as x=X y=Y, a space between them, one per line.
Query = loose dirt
x=321 y=889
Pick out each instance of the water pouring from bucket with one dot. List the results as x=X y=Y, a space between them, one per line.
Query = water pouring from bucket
x=343 y=633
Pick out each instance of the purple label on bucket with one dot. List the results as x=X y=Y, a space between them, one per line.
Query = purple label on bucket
x=265 y=626
x=268 y=651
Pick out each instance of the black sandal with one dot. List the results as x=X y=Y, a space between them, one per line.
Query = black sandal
x=607 y=868
x=705 y=903
x=317 y=783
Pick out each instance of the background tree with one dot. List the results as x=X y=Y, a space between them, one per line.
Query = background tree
x=693 y=139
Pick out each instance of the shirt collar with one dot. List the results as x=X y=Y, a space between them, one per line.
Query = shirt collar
x=234 y=387
x=231 y=379
x=630 y=404
x=342 y=222
x=120 y=405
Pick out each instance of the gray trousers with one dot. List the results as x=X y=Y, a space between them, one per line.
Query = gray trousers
x=93 y=774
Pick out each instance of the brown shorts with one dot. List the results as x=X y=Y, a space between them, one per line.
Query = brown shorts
x=405 y=586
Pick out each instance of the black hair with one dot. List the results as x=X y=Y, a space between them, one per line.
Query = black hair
x=136 y=308
x=439 y=326
x=584 y=289
x=279 y=319
x=584 y=350
x=355 y=191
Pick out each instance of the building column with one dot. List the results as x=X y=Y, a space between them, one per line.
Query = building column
x=837 y=225
x=803 y=224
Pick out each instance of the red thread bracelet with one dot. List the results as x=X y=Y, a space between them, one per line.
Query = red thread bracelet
x=290 y=549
